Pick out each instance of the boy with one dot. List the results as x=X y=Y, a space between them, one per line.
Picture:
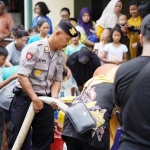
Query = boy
x=3 y=56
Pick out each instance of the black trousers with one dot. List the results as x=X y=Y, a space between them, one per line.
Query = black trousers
x=74 y=144
x=42 y=125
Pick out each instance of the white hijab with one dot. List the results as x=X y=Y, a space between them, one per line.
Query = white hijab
x=109 y=19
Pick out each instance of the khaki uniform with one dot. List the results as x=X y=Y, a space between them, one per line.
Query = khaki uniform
x=41 y=68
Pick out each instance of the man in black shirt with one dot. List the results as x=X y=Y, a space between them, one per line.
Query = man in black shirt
x=135 y=117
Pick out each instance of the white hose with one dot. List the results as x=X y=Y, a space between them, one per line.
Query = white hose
x=29 y=117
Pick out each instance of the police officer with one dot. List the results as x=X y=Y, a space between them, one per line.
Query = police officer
x=40 y=74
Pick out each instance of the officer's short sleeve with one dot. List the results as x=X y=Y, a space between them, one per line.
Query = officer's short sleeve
x=27 y=61
x=59 y=72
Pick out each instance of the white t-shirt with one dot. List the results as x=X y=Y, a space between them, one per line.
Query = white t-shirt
x=100 y=49
x=115 y=53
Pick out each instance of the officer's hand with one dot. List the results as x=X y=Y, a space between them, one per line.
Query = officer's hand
x=37 y=105
x=54 y=106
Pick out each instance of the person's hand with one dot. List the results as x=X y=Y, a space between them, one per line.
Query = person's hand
x=100 y=56
x=54 y=106
x=134 y=45
x=14 y=76
x=116 y=62
x=128 y=25
x=69 y=74
x=57 y=126
x=124 y=29
x=93 y=31
x=37 y=105
x=2 y=37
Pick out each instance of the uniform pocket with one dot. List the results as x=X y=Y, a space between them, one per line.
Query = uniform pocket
x=40 y=71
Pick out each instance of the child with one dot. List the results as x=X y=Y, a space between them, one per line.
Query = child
x=99 y=47
x=3 y=56
x=122 y=24
x=115 y=52
x=74 y=47
x=33 y=31
x=134 y=24
x=73 y=21
x=15 y=29
x=43 y=28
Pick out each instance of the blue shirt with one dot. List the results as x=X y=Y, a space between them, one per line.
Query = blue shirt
x=34 y=38
x=70 y=49
x=35 y=20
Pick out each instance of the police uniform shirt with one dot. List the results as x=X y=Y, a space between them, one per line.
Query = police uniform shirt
x=40 y=67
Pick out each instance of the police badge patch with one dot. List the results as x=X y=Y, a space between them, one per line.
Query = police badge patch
x=29 y=55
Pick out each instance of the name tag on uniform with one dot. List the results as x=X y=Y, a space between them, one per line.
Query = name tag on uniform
x=42 y=60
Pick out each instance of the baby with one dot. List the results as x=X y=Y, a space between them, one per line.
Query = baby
x=122 y=24
x=122 y=21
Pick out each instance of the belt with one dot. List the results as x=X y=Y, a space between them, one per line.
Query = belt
x=19 y=92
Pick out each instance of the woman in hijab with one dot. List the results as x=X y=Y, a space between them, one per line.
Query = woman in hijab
x=109 y=16
x=82 y=65
x=85 y=24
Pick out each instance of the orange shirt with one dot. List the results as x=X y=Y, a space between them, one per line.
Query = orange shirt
x=6 y=23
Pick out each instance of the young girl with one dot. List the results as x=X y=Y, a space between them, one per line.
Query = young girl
x=74 y=47
x=99 y=47
x=115 y=52
x=134 y=24
x=85 y=24
x=43 y=28
x=42 y=10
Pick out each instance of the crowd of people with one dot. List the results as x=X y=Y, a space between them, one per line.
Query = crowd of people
x=103 y=57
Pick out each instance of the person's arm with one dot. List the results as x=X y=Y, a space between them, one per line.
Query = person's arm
x=118 y=108
x=67 y=56
x=104 y=58
x=2 y=36
x=95 y=51
x=9 y=57
x=28 y=89
x=99 y=31
x=10 y=24
x=125 y=58
x=8 y=63
x=89 y=43
x=85 y=41
x=8 y=80
x=55 y=88
x=67 y=53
